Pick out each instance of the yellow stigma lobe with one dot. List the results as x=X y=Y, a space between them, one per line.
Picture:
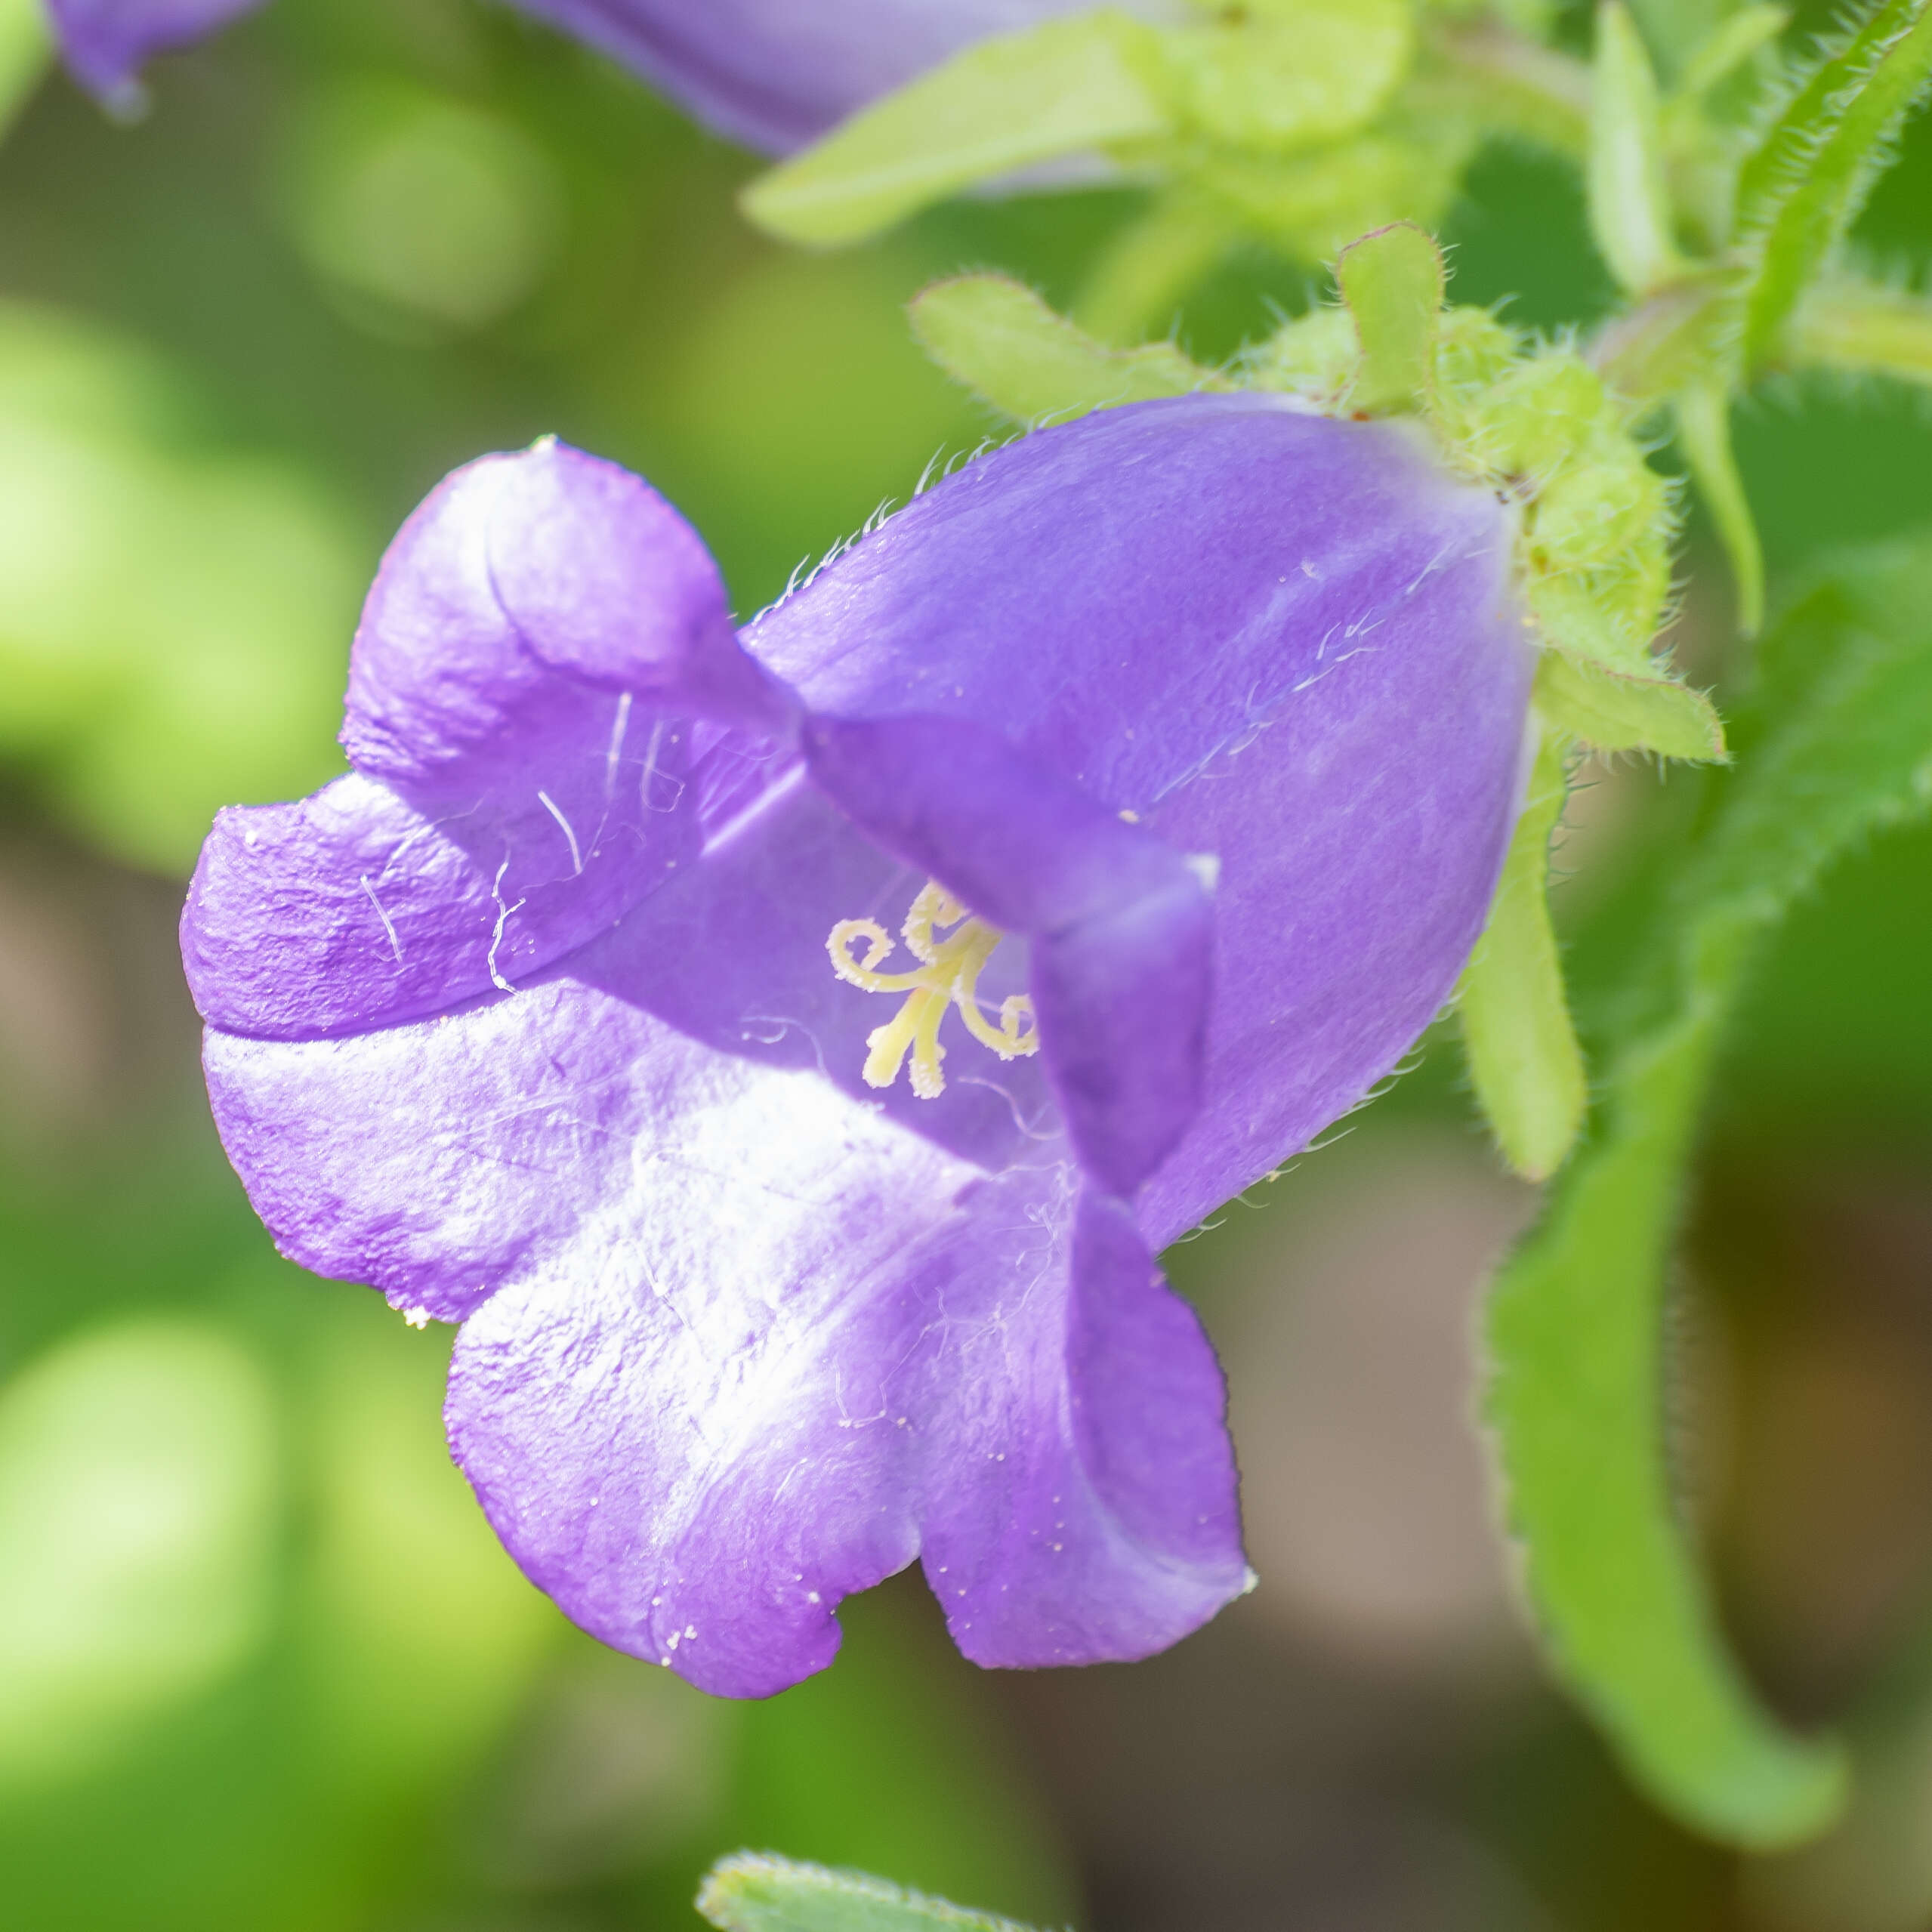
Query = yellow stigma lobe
x=948 y=974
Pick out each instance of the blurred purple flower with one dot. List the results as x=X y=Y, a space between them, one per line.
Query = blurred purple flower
x=774 y=74
x=1203 y=718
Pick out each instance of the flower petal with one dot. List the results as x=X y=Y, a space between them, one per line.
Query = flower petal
x=794 y=1371
x=1121 y=926
x=431 y=1160
x=1285 y=641
x=540 y=638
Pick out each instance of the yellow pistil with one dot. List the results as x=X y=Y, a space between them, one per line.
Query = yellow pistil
x=948 y=974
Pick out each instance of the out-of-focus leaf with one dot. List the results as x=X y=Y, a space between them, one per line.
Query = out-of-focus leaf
x=1392 y=282
x=174 y=617
x=1867 y=330
x=1808 y=176
x=1005 y=103
x=1523 y=1058
x=23 y=53
x=1000 y=341
x=138 y=1477
x=755 y=1892
x=1837 y=741
x=1629 y=208
x=1704 y=430
x=1728 y=45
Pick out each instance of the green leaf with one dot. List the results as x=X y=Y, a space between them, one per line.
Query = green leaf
x=23 y=54
x=1002 y=104
x=1002 y=342
x=1393 y=282
x=1838 y=740
x=1618 y=711
x=1523 y=1058
x=1629 y=208
x=1704 y=432
x=1867 y=330
x=1728 y=46
x=758 y=1892
x=1799 y=189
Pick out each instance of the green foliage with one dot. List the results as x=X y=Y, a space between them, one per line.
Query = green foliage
x=756 y=1892
x=23 y=54
x=1704 y=432
x=1000 y=340
x=1811 y=169
x=174 y=617
x=1839 y=740
x=1630 y=206
x=1856 y=327
x=1002 y=104
x=1523 y=1058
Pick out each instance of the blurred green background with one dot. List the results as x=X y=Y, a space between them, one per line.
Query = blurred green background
x=262 y=1666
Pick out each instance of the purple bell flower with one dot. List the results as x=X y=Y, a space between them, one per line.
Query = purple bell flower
x=773 y=74
x=1180 y=746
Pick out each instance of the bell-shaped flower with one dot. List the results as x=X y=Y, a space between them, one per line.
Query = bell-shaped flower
x=785 y=1051
x=774 y=74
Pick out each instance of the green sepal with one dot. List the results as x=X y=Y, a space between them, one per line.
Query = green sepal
x=758 y=1892
x=1005 y=104
x=1000 y=340
x=1524 y=1062
x=1630 y=206
x=1799 y=187
x=1314 y=356
x=1291 y=75
x=1624 y=711
x=1392 y=283
x=1704 y=433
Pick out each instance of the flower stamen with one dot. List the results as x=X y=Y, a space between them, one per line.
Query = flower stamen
x=948 y=974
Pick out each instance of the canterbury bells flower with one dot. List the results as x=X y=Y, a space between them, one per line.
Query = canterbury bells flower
x=774 y=74
x=784 y=1052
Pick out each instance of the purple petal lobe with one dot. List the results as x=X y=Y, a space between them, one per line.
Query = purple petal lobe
x=1121 y=926
x=602 y=579
x=105 y=42
x=1111 y=1533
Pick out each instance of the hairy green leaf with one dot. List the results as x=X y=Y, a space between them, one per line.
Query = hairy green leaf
x=1808 y=176
x=1630 y=207
x=1392 y=282
x=756 y=1892
x=1005 y=104
x=1839 y=739
x=1000 y=341
x=1523 y=1058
